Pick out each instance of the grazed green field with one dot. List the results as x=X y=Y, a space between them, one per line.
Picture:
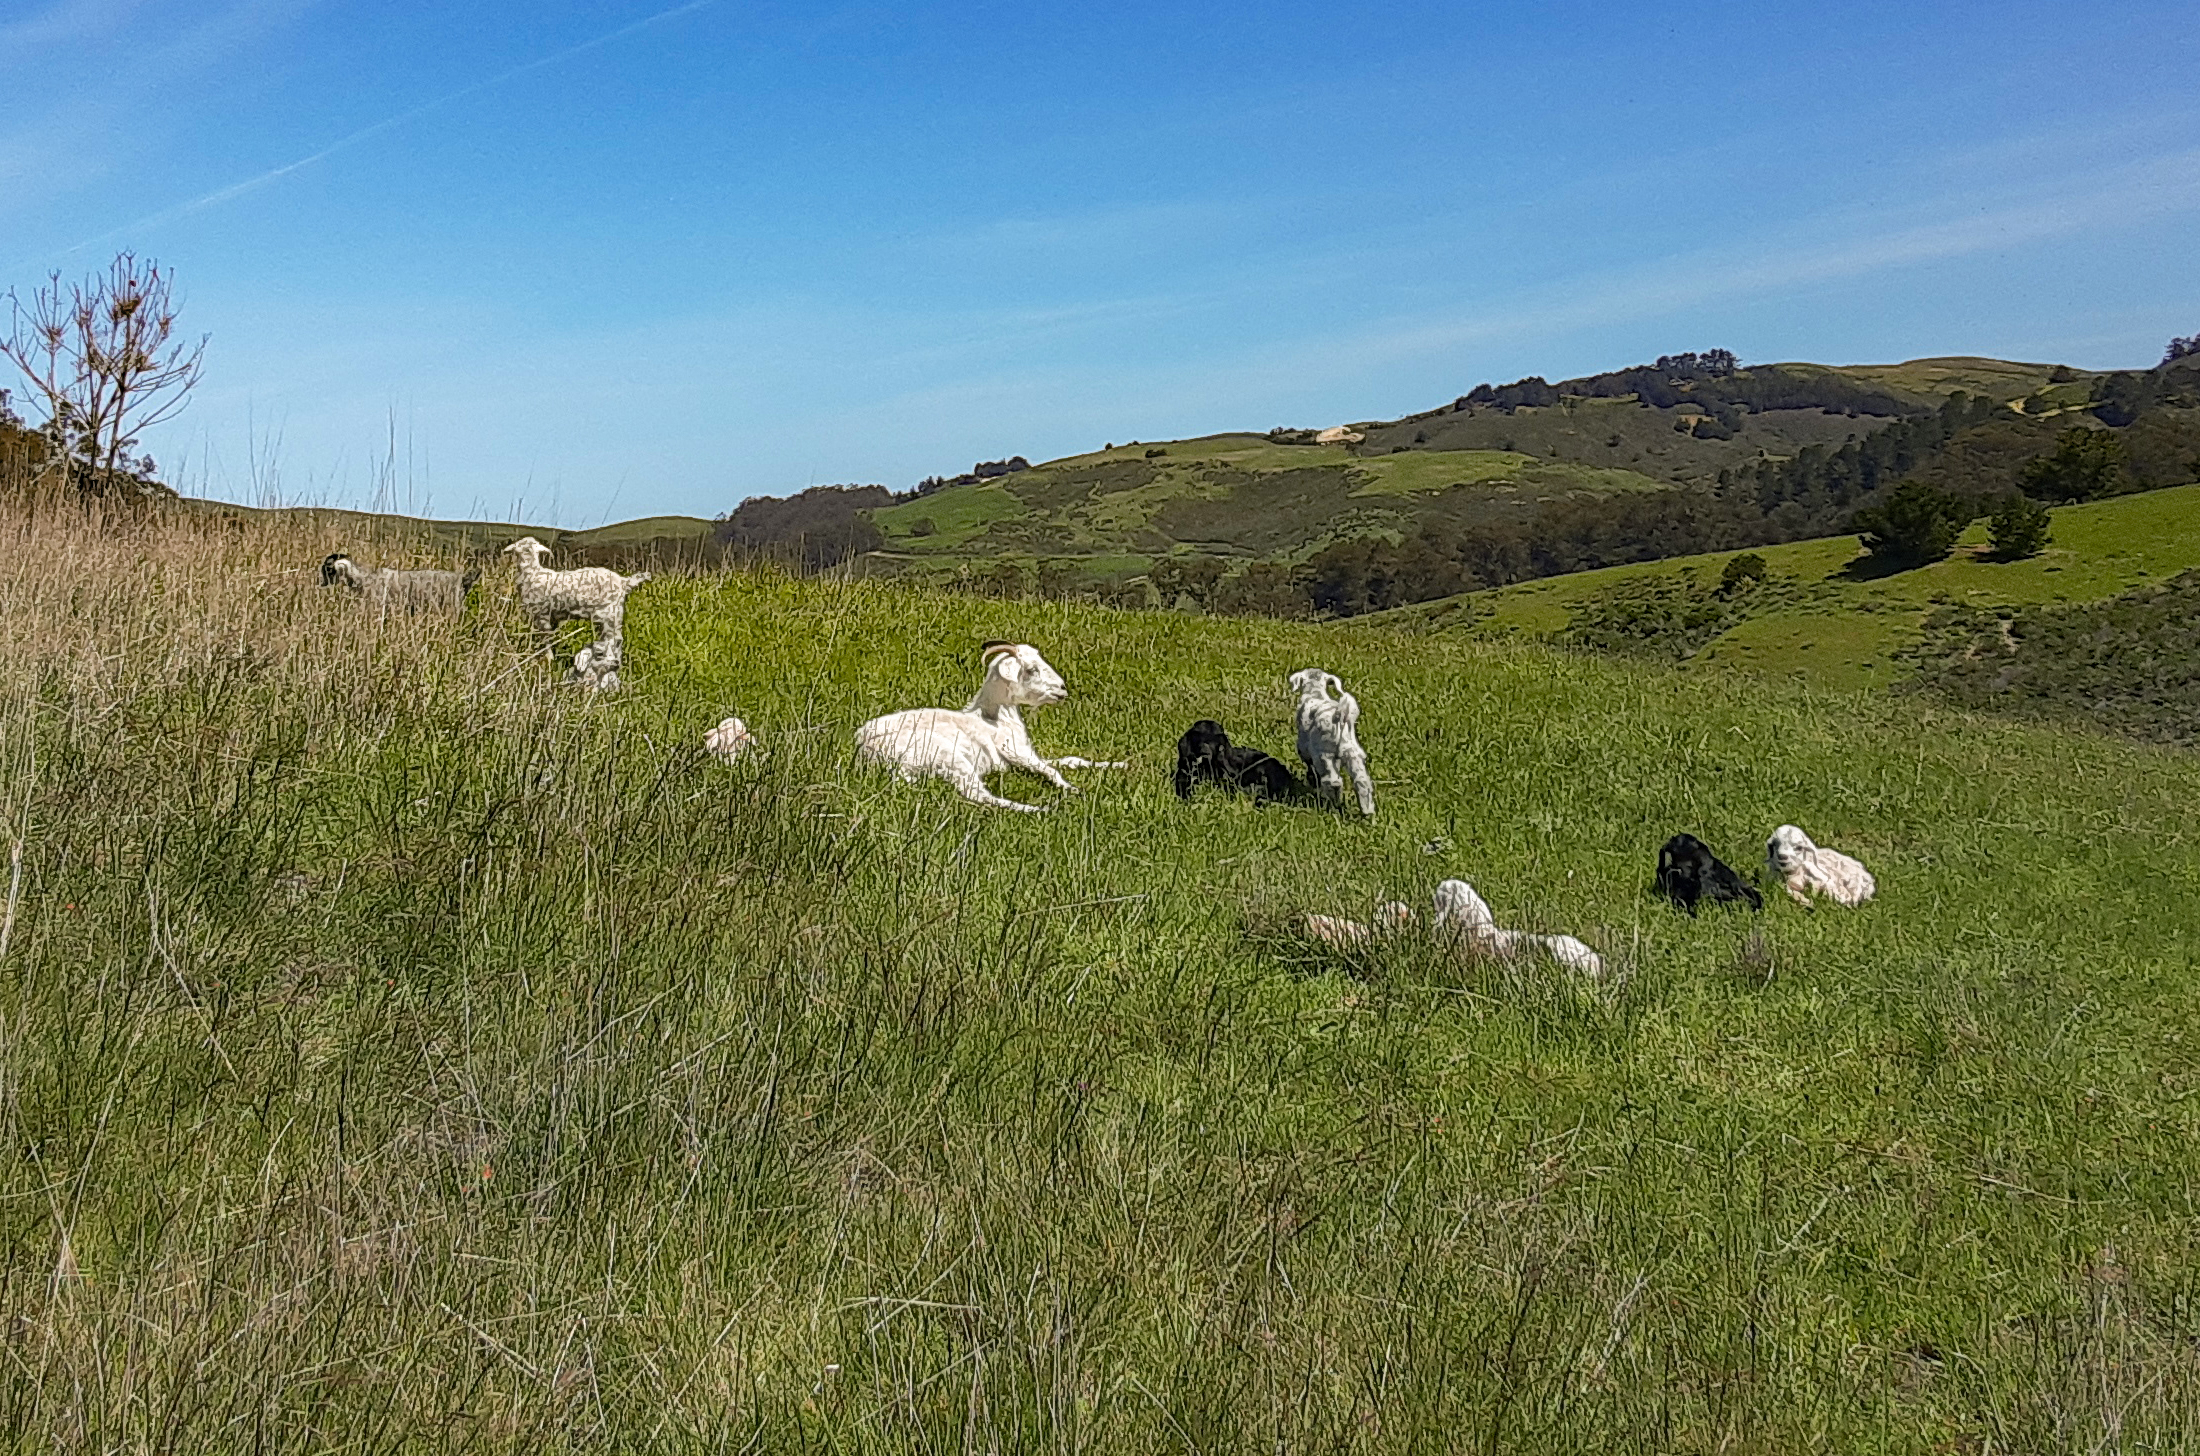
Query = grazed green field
x=1847 y=632
x=401 y=1053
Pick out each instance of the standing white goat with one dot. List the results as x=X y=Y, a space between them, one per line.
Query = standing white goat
x=1808 y=869
x=984 y=737
x=589 y=593
x=1465 y=915
x=1329 y=738
x=387 y=587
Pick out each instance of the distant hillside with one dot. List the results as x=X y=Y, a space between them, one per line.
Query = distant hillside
x=1816 y=617
x=662 y=540
x=1689 y=453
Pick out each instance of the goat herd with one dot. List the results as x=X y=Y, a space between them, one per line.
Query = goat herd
x=987 y=736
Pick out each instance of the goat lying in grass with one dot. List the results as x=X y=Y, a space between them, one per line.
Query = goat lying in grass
x=1329 y=739
x=983 y=737
x=1205 y=754
x=1465 y=916
x=1808 y=870
x=408 y=591
x=730 y=741
x=1688 y=872
x=1390 y=917
x=1463 y=921
x=594 y=594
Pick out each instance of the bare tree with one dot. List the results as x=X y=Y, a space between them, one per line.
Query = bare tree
x=103 y=357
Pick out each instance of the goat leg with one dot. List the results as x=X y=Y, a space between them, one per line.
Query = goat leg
x=972 y=787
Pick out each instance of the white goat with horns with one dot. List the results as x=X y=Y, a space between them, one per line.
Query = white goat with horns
x=984 y=737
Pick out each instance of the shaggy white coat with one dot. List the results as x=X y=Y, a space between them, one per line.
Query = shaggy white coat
x=984 y=737
x=1329 y=738
x=587 y=593
x=1808 y=869
x=1465 y=915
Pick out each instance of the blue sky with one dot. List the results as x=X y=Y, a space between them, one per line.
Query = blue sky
x=585 y=262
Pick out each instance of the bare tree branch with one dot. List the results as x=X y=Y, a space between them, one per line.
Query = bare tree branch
x=103 y=357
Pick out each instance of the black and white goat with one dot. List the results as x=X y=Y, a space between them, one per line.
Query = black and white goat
x=963 y=745
x=1329 y=738
x=1205 y=754
x=1689 y=872
x=388 y=588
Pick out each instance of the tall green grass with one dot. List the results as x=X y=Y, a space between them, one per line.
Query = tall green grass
x=399 y=1052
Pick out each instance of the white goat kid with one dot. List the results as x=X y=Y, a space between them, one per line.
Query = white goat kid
x=1807 y=870
x=596 y=666
x=730 y=741
x=588 y=593
x=388 y=588
x=984 y=737
x=1465 y=916
x=1329 y=738
x=1391 y=917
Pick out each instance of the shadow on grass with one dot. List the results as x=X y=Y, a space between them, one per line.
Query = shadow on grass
x=1867 y=567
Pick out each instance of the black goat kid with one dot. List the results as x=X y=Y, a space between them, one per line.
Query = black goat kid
x=1206 y=754
x=1688 y=872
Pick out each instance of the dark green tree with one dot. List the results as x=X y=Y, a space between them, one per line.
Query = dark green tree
x=2018 y=527
x=1192 y=577
x=2085 y=463
x=1262 y=589
x=1913 y=525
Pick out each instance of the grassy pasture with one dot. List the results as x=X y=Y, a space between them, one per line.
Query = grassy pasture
x=400 y=1053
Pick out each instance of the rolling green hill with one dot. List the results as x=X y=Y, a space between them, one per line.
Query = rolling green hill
x=1819 y=620
x=667 y=538
x=1230 y=495
x=1793 y=443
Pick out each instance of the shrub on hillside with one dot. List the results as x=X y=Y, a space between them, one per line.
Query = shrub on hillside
x=1914 y=525
x=2018 y=528
x=2130 y=664
x=1656 y=616
x=1743 y=572
x=2084 y=465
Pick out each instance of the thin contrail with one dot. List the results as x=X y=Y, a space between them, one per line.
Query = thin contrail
x=253 y=184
